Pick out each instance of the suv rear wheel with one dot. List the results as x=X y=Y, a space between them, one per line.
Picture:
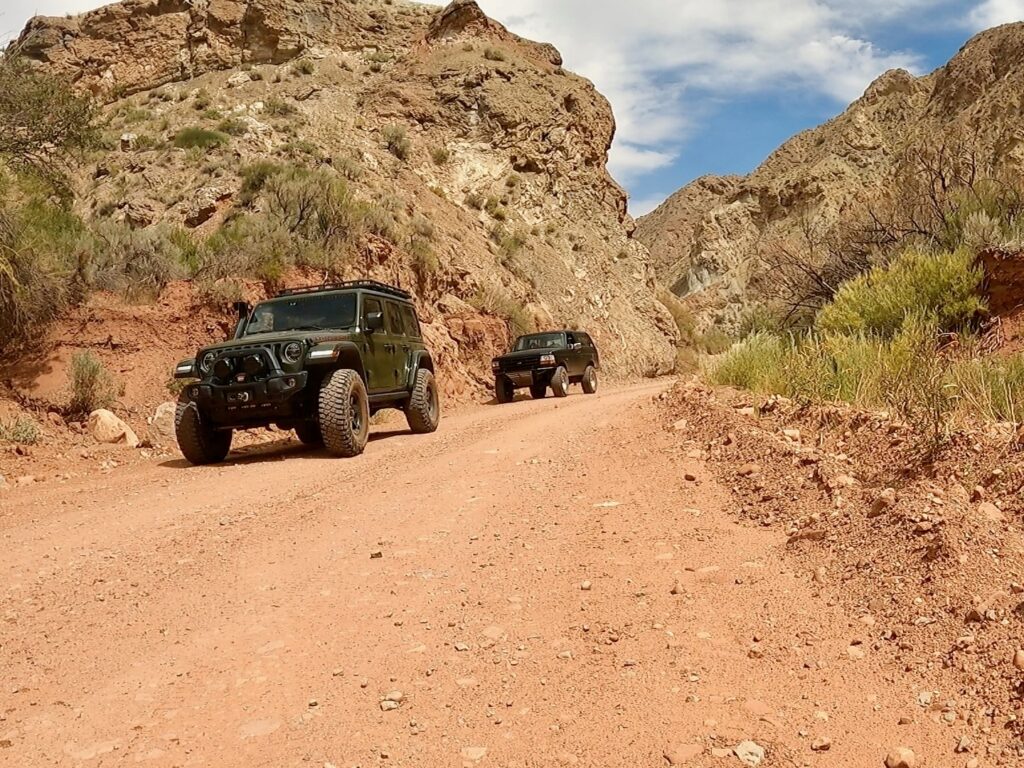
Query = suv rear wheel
x=560 y=382
x=424 y=409
x=590 y=380
x=199 y=442
x=503 y=390
x=344 y=413
x=538 y=391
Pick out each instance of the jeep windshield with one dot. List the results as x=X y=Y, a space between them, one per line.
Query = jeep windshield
x=540 y=341
x=315 y=312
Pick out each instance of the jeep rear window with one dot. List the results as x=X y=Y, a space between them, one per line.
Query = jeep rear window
x=540 y=341
x=324 y=311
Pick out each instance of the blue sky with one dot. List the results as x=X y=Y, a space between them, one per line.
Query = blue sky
x=713 y=86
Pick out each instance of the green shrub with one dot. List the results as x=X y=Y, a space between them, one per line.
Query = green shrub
x=495 y=209
x=422 y=226
x=92 y=385
x=278 y=107
x=20 y=430
x=496 y=302
x=944 y=287
x=440 y=155
x=424 y=260
x=348 y=167
x=494 y=54
x=233 y=126
x=509 y=243
x=212 y=114
x=397 y=141
x=476 y=201
x=199 y=138
x=202 y=101
x=304 y=67
x=752 y=364
x=254 y=179
x=137 y=263
x=38 y=262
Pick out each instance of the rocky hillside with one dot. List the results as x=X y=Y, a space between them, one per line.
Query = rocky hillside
x=474 y=163
x=706 y=241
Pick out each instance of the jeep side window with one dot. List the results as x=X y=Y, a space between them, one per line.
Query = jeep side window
x=570 y=339
x=369 y=307
x=412 y=325
x=394 y=318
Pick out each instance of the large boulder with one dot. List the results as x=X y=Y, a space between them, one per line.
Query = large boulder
x=105 y=427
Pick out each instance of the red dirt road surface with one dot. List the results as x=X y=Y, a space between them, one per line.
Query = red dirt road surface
x=536 y=584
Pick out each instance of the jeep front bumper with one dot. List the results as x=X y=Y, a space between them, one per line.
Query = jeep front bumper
x=263 y=400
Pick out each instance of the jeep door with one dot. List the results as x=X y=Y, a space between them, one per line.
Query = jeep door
x=376 y=354
x=398 y=345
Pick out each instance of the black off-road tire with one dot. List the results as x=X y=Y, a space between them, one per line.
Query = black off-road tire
x=538 y=391
x=199 y=442
x=560 y=382
x=504 y=392
x=424 y=409
x=344 y=413
x=308 y=433
x=590 y=380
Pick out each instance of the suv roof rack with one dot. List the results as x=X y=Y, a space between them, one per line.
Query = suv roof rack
x=370 y=285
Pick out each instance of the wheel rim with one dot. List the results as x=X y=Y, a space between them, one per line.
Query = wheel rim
x=356 y=406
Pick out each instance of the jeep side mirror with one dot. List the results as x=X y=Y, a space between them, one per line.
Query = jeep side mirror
x=374 y=322
x=577 y=347
x=242 y=311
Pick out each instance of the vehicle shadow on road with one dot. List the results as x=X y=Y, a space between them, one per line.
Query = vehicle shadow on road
x=279 y=450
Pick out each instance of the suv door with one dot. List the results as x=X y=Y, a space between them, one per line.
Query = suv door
x=573 y=357
x=398 y=345
x=376 y=357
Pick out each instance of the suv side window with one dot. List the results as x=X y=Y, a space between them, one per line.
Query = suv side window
x=584 y=339
x=369 y=307
x=394 y=318
x=570 y=339
x=412 y=323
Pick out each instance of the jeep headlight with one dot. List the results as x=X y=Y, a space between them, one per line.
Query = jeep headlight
x=547 y=359
x=495 y=365
x=291 y=353
x=206 y=362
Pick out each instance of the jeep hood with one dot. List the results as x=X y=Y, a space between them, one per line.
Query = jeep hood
x=264 y=339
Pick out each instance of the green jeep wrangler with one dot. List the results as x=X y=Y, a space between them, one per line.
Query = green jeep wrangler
x=318 y=360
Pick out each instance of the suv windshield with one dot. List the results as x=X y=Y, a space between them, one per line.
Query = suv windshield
x=323 y=311
x=540 y=341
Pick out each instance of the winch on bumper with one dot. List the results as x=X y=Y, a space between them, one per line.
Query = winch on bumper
x=243 y=386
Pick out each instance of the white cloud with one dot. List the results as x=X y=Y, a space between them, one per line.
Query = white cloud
x=628 y=161
x=991 y=13
x=641 y=206
x=664 y=64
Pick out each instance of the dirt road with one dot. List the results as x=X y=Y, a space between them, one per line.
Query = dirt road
x=536 y=584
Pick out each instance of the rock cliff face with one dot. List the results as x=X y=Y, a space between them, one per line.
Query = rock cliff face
x=505 y=156
x=705 y=239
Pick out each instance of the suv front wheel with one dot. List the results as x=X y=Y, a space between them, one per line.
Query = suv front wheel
x=504 y=392
x=199 y=442
x=560 y=382
x=344 y=413
x=424 y=409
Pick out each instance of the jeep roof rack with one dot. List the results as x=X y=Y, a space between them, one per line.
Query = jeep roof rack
x=370 y=285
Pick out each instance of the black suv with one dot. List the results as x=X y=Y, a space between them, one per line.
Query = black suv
x=318 y=360
x=553 y=359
